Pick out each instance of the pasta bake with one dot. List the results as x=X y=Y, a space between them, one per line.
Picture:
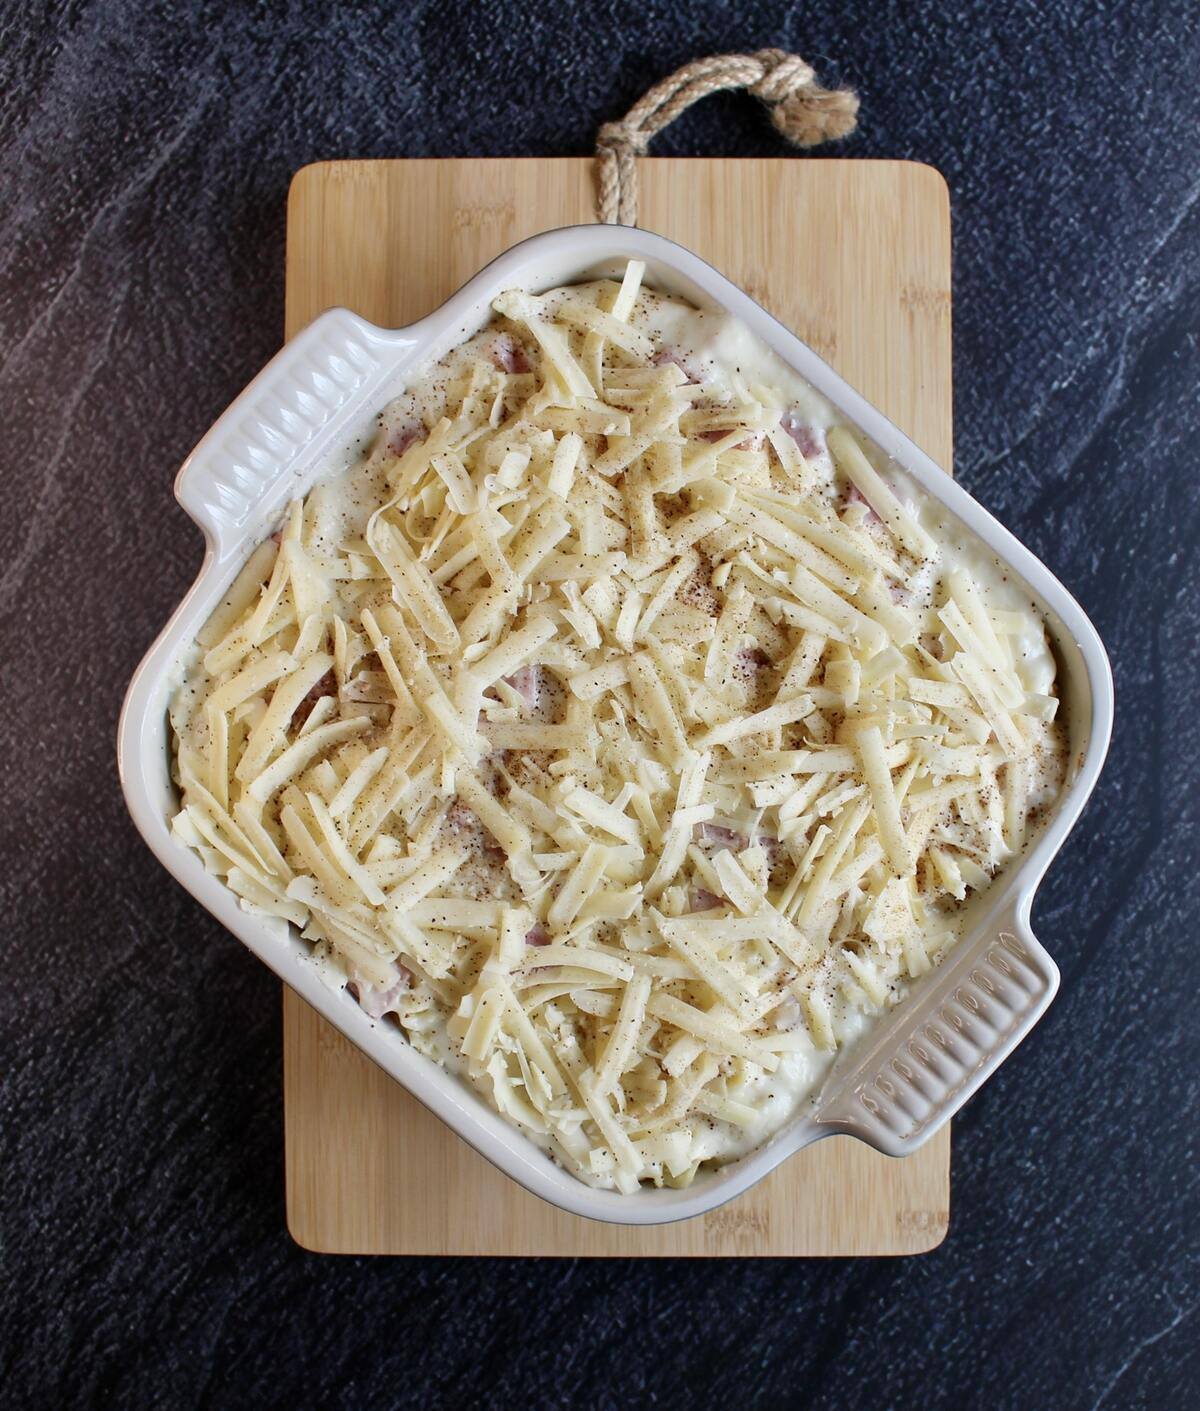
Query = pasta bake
x=622 y=725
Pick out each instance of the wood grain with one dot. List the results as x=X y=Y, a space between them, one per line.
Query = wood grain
x=855 y=257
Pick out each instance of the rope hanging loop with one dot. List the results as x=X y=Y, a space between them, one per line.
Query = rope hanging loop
x=801 y=110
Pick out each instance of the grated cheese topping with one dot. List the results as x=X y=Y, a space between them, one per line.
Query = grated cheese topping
x=622 y=724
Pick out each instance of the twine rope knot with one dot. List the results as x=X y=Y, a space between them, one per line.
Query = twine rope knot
x=801 y=110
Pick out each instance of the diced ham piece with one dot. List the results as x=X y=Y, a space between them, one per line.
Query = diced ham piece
x=778 y=856
x=376 y=1003
x=326 y=686
x=405 y=436
x=810 y=439
x=698 y=592
x=753 y=442
x=701 y=900
x=749 y=661
x=715 y=836
x=527 y=682
x=508 y=355
x=673 y=355
x=537 y=935
x=854 y=496
x=770 y=844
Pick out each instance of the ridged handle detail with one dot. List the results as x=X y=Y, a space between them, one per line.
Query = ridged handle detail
x=240 y=467
x=946 y=1042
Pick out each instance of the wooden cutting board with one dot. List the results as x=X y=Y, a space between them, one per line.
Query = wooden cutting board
x=855 y=257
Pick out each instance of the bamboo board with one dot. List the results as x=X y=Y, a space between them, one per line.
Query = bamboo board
x=853 y=256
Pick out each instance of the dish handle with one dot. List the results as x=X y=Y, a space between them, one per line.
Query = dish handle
x=947 y=1041
x=239 y=472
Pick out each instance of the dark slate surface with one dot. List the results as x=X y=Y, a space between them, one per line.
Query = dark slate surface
x=145 y=153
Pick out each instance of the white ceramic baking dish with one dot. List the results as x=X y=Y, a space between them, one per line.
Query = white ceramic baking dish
x=305 y=413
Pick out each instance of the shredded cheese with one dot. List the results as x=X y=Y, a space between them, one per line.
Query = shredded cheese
x=625 y=731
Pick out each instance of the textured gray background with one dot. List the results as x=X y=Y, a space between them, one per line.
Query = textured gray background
x=145 y=152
